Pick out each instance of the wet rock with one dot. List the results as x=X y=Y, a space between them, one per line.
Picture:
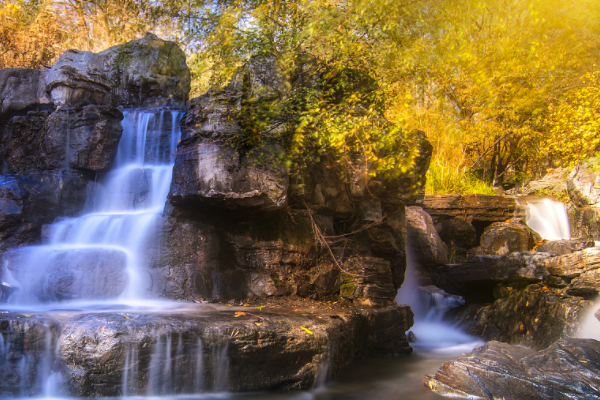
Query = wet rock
x=196 y=349
x=21 y=143
x=583 y=184
x=141 y=73
x=476 y=278
x=28 y=202
x=73 y=274
x=560 y=247
x=458 y=232
x=214 y=174
x=574 y=264
x=483 y=208
x=428 y=250
x=566 y=370
x=502 y=238
x=6 y=290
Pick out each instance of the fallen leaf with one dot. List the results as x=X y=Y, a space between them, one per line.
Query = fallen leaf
x=306 y=330
x=238 y=313
x=258 y=323
x=260 y=307
x=125 y=315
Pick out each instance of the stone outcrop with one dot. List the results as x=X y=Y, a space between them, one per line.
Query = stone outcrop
x=22 y=90
x=566 y=370
x=141 y=73
x=478 y=277
x=583 y=185
x=198 y=349
x=477 y=207
x=503 y=238
x=428 y=250
x=553 y=184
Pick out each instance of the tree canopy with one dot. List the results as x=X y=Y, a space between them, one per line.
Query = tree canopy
x=505 y=89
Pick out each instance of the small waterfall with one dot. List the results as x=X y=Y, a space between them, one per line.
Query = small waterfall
x=430 y=331
x=101 y=254
x=549 y=218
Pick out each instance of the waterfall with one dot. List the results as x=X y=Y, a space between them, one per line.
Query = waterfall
x=101 y=255
x=430 y=331
x=548 y=218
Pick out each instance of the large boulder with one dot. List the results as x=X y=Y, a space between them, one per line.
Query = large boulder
x=502 y=238
x=141 y=73
x=560 y=247
x=51 y=274
x=566 y=370
x=428 y=250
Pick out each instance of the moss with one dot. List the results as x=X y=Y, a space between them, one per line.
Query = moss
x=347 y=289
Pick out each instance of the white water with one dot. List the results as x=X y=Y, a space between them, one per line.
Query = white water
x=121 y=222
x=432 y=333
x=549 y=218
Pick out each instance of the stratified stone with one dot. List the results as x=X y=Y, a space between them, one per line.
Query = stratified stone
x=566 y=370
x=52 y=274
x=368 y=282
x=574 y=264
x=142 y=73
x=192 y=349
x=22 y=90
x=217 y=175
x=502 y=238
x=472 y=207
x=428 y=250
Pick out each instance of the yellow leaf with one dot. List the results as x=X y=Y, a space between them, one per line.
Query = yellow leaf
x=306 y=330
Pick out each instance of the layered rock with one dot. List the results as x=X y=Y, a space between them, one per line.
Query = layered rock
x=566 y=370
x=201 y=349
x=22 y=90
x=477 y=207
x=560 y=247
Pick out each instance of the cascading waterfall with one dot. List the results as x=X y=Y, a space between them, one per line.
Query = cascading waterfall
x=431 y=332
x=548 y=218
x=120 y=226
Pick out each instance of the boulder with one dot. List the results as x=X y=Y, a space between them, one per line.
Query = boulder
x=22 y=90
x=502 y=238
x=574 y=264
x=217 y=175
x=584 y=222
x=477 y=278
x=560 y=247
x=428 y=250
x=583 y=185
x=456 y=231
x=553 y=184
x=367 y=282
x=142 y=73
x=566 y=370
x=53 y=274
x=27 y=202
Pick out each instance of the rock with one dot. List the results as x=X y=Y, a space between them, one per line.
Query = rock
x=73 y=274
x=583 y=185
x=458 y=232
x=28 y=202
x=560 y=247
x=428 y=250
x=476 y=207
x=534 y=316
x=194 y=348
x=6 y=290
x=90 y=136
x=217 y=175
x=553 y=184
x=142 y=73
x=502 y=238
x=584 y=222
x=22 y=90
x=476 y=278
x=84 y=138
x=368 y=282
x=574 y=264
x=566 y=370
